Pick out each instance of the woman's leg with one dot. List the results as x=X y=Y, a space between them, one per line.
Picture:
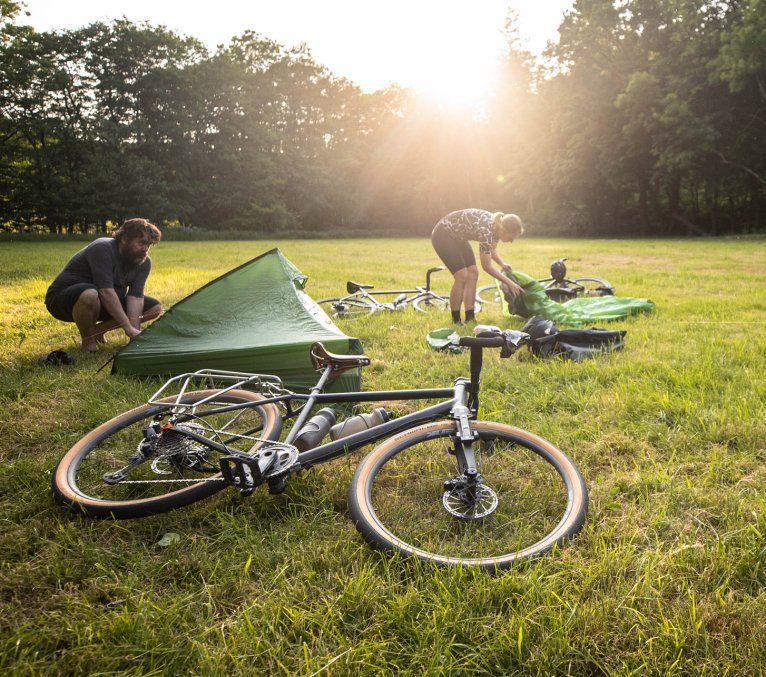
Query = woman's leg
x=457 y=292
x=469 y=288
x=458 y=256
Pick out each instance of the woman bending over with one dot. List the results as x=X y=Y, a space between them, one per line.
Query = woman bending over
x=450 y=239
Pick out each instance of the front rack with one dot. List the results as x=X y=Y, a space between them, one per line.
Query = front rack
x=223 y=381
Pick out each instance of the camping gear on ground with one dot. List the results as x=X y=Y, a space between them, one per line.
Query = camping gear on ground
x=577 y=311
x=543 y=338
x=56 y=358
x=558 y=286
x=574 y=344
x=254 y=318
x=444 y=338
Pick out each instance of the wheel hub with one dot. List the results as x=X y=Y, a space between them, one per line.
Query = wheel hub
x=472 y=502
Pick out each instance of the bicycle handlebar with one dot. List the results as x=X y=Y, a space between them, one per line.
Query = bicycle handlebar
x=482 y=341
x=509 y=341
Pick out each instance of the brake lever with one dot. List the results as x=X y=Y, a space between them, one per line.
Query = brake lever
x=512 y=339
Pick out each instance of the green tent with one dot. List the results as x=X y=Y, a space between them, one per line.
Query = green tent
x=255 y=318
x=576 y=312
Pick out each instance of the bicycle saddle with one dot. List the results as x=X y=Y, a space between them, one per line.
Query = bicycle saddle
x=353 y=287
x=322 y=358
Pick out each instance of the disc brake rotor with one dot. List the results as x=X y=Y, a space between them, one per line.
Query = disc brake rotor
x=459 y=503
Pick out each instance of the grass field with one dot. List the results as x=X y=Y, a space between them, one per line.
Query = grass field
x=667 y=577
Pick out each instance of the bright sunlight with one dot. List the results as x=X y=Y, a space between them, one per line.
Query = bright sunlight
x=446 y=49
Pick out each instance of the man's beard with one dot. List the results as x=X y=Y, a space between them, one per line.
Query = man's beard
x=135 y=261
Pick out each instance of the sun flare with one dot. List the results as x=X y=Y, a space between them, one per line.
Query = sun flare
x=458 y=86
x=459 y=80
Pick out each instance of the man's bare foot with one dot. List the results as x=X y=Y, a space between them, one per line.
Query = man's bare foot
x=90 y=346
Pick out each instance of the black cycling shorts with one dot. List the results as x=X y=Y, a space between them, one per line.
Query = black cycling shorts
x=60 y=305
x=456 y=253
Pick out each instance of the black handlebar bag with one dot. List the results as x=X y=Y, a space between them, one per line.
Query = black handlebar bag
x=573 y=344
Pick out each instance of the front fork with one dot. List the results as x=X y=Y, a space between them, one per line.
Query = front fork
x=462 y=414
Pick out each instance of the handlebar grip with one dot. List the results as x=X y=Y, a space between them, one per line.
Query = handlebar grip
x=481 y=341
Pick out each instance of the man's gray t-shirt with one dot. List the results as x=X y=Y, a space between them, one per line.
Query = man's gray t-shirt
x=99 y=264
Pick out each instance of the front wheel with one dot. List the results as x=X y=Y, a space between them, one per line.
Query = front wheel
x=405 y=496
x=593 y=286
x=346 y=308
x=106 y=475
x=430 y=304
x=489 y=293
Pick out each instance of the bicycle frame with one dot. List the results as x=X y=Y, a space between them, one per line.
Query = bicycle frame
x=460 y=402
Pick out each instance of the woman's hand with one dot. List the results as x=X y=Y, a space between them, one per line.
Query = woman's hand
x=513 y=288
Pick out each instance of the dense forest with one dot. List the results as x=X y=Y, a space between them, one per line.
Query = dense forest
x=647 y=117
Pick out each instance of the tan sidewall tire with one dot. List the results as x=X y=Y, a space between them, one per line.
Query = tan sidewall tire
x=66 y=494
x=379 y=536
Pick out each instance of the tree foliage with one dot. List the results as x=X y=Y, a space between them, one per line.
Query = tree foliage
x=647 y=117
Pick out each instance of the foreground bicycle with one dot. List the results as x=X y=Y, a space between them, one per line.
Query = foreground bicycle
x=558 y=286
x=441 y=485
x=360 y=300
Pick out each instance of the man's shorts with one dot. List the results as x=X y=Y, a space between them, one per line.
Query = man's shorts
x=60 y=306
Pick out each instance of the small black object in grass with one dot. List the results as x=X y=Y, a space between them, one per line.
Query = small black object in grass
x=57 y=357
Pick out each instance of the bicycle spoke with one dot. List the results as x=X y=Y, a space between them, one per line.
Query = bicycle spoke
x=408 y=499
x=123 y=466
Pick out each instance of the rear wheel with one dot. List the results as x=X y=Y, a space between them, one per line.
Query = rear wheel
x=104 y=475
x=346 y=308
x=406 y=498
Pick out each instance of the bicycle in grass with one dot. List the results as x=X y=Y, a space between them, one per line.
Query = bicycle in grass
x=558 y=286
x=361 y=300
x=438 y=485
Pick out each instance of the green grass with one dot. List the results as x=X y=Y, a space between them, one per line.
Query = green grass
x=667 y=576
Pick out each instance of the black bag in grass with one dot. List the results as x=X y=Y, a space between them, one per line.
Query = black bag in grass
x=573 y=344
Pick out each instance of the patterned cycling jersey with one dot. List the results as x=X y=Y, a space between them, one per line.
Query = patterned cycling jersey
x=472 y=224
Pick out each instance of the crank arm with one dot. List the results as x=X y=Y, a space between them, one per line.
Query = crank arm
x=246 y=471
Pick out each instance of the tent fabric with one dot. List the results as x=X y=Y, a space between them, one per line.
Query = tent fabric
x=576 y=312
x=255 y=318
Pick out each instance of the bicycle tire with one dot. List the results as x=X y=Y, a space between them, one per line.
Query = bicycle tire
x=78 y=479
x=489 y=294
x=342 y=308
x=431 y=304
x=594 y=286
x=396 y=502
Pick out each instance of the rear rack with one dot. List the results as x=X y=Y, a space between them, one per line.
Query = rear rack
x=224 y=381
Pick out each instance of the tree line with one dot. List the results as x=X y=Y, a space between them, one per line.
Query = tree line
x=646 y=117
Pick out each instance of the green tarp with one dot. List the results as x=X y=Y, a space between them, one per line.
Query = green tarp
x=576 y=312
x=255 y=318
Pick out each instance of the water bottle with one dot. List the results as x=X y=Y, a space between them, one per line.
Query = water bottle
x=314 y=430
x=356 y=424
